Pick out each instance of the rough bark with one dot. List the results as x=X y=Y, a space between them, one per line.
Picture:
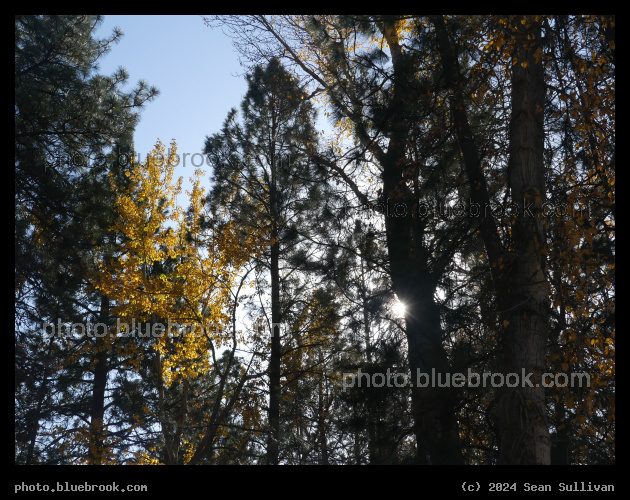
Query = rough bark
x=433 y=408
x=520 y=284
x=97 y=413
x=524 y=428
x=274 y=360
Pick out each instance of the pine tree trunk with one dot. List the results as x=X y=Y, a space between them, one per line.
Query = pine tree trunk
x=274 y=360
x=97 y=413
x=374 y=453
x=520 y=284
x=433 y=407
x=321 y=418
x=523 y=422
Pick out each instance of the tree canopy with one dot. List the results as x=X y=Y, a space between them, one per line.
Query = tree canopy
x=431 y=283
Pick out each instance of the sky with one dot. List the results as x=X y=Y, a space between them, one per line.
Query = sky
x=196 y=70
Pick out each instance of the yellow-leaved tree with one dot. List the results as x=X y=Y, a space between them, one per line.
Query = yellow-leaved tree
x=174 y=288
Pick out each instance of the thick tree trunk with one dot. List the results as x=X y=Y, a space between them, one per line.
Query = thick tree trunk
x=520 y=284
x=523 y=422
x=433 y=397
x=433 y=408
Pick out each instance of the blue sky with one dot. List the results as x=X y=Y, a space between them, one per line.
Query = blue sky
x=196 y=70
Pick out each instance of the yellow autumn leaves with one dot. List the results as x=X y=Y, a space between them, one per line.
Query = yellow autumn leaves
x=166 y=268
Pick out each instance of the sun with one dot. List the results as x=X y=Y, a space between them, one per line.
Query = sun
x=399 y=309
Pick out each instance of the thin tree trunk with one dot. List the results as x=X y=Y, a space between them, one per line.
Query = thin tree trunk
x=274 y=360
x=374 y=455
x=97 y=413
x=35 y=416
x=321 y=416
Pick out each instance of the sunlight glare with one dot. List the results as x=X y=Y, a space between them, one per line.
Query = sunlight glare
x=399 y=309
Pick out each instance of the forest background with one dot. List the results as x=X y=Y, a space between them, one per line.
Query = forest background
x=301 y=258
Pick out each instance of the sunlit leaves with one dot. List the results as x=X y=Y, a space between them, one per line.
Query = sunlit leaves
x=165 y=270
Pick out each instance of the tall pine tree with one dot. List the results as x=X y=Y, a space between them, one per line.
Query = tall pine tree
x=263 y=177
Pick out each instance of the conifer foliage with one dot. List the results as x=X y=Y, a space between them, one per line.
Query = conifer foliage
x=431 y=282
